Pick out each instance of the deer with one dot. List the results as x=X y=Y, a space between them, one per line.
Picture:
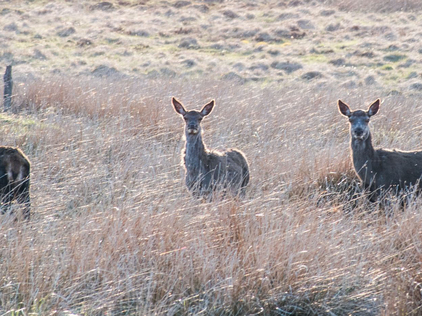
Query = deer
x=14 y=179
x=207 y=171
x=379 y=169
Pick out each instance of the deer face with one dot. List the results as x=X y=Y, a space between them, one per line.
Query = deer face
x=192 y=118
x=359 y=119
x=193 y=122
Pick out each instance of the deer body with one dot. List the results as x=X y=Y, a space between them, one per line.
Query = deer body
x=206 y=170
x=14 y=178
x=379 y=168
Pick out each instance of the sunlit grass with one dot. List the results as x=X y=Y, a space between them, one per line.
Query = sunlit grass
x=115 y=231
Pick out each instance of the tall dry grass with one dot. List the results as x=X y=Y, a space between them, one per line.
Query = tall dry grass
x=114 y=230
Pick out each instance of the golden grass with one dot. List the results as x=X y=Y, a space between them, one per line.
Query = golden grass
x=114 y=230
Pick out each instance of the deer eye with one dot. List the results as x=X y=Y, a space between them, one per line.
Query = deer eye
x=367 y=120
x=200 y=119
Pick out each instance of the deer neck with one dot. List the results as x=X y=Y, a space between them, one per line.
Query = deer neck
x=363 y=155
x=195 y=152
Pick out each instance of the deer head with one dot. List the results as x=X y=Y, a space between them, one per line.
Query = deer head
x=192 y=118
x=359 y=119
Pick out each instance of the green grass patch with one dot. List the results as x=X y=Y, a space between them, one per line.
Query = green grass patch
x=393 y=58
x=315 y=58
x=387 y=67
x=16 y=120
x=344 y=44
x=22 y=124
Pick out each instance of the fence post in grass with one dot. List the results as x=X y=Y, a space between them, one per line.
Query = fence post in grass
x=8 y=86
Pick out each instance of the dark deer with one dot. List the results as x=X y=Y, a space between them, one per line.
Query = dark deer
x=208 y=171
x=14 y=179
x=379 y=168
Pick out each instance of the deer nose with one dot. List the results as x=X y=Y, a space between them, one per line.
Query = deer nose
x=192 y=129
x=359 y=132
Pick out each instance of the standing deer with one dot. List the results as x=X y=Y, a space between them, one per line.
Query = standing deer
x=379 y=168
x=14 y=179
x=207 y=171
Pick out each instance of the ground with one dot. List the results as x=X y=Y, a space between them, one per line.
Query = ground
x=229 y=40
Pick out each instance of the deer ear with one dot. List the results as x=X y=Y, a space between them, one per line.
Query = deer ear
x=207 y=108
x=344 y=108
x=178 y=106
x=374 y=107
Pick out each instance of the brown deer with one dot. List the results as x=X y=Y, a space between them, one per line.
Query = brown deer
x=208 y=171
x=379 y=168
x=14 y=179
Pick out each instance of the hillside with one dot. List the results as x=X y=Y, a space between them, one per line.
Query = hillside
x=230 y=40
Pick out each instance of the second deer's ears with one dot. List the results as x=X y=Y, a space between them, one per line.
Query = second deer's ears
x=374 y=107
x=178 y=106
x=344 y=108
x=207 y=108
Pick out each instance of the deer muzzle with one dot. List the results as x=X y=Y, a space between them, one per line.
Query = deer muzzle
x=359 y=133
x=192 y=131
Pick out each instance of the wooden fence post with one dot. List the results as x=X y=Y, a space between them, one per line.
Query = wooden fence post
x=8 y=87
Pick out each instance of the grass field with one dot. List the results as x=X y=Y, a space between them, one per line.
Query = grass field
x=114 y=230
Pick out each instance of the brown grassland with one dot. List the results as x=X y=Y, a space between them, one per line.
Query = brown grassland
x=113 y=229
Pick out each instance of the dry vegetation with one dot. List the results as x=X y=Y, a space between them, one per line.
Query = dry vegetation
x=114 y=231
x=302 y=40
